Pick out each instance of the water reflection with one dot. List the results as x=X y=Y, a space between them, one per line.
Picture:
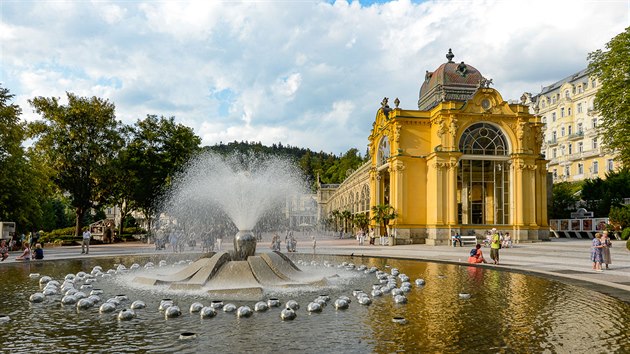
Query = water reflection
x=506 y=312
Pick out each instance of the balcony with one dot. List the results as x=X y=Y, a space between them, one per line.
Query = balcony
x=576 y=136
x=552 y=142
x=591 y=112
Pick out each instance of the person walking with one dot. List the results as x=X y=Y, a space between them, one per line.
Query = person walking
x=596 y=253
x=606 y=249
x=85 y=244
x=495 y=245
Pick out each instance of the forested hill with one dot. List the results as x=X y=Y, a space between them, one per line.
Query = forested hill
x=331 y=168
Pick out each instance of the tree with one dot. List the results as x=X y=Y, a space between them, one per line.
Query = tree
x=22 y=184
x=620 y=216
x=601 y=194
x=157 y=151
x=382 y=214
x=346 y=215
x=563 y=200
x=336 y=215
x=612 y=101
x=361 y=221
x=78 y=141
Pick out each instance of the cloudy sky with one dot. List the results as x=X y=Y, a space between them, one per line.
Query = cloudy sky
x=304 y=73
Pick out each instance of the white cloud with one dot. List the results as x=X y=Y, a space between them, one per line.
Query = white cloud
x=309 y=74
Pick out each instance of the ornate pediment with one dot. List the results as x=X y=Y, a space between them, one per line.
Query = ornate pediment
x=487 y=101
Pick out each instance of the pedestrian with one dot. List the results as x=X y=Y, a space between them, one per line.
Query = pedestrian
x=372 y=237
x=606 y=249
x=495 y=245
x=596 y=253
x=314 y=244
x=85 y=244
x=4 y=250
x=361 y=237
x=219 y=239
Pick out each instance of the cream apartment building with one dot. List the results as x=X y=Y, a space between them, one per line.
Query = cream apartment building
x=570 y=140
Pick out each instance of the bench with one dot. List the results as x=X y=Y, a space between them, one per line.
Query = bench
x=465 y=239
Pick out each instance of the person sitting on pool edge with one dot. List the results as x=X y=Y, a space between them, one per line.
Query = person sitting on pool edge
x=26 y=255
x=476 y=256
x=38 y=252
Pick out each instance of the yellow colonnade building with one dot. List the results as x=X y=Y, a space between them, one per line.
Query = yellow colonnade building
x=466 y=161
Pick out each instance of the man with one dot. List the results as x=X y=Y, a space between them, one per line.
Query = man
x=457 y=238
x=85 y=245
x=495 y=245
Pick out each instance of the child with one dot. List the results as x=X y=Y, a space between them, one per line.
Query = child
x=39 y=251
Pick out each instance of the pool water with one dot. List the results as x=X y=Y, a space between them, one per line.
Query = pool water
x=507 y=312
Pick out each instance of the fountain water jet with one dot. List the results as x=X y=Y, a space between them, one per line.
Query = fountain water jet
x=222 y=193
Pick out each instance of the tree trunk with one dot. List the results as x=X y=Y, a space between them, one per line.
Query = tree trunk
x=79 y=222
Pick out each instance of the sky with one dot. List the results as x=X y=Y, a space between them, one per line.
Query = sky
x=304 y=73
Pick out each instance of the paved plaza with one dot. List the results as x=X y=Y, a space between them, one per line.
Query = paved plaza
x=567 y=260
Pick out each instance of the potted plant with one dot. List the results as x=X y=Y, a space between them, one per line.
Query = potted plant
x=382 y=214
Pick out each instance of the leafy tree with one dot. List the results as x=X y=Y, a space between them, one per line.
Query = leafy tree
x=361 y=221
x=336 y=215
x=346 y=216
x=612 y=101
x=382 y=214
x=22 y=184
x=77 y=140
x=620 y=216
x=563 y=200
x=601 y=194
x=158 y=149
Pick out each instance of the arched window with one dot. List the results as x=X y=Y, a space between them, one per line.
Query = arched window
x=483 y=179
x=383 y=151
x=483 y=139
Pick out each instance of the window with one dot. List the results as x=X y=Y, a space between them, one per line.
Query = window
x=609 y=165
x=595 y=167
x=554 y=153
x=553 y=99
x=580 y=129
x=561 y=112
x=594 y=121
x=544 y=120
x=562 y=131
x=555 y=173
x=567 y=171
x=580 y=169
x=566 y=93
x=594 y=83
x=483 y=176
x=543 y=104
x=579 y=108
x=553 y=136
x=569 y=111
x=580 y=147
x=570 y=149
x=594 y=143
x=570 y=130
x=580 y=89
x=562 y=148
x=553 y=116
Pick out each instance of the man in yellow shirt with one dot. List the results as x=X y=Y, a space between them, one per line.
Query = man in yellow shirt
x=495 y=245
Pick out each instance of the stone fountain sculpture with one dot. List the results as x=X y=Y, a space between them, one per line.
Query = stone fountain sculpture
x=241 y=188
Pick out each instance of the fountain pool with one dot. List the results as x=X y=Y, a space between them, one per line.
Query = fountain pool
x=505 y=312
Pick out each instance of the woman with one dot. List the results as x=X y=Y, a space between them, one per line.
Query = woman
x=26 y=255
x=606 y=249
x=476 y=256
x=596 y=253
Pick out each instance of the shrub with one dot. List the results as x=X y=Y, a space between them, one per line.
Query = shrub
x=628 y=245
x=625 y=234
x=57 y=234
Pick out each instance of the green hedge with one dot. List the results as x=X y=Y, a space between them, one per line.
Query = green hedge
x=625 y=234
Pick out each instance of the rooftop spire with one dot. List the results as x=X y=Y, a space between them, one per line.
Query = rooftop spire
x=450 y=55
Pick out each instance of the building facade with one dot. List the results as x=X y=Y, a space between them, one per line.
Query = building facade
x=465 y=161
x=571 y=143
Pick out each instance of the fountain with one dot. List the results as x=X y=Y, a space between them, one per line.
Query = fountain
x=215 y=191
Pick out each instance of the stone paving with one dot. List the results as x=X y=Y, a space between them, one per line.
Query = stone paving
x=566 y=260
